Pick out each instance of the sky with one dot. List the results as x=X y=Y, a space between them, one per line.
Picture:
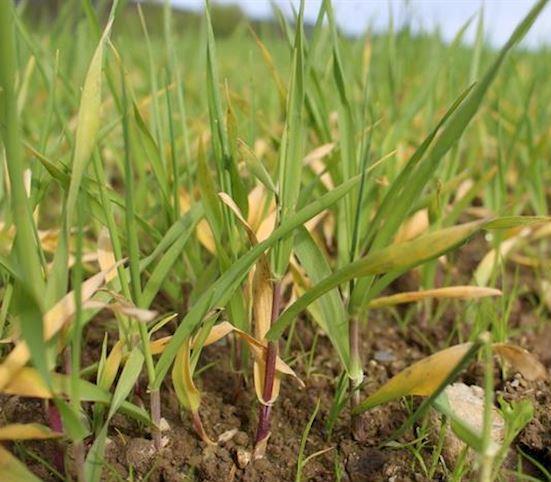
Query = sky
x=354 y=16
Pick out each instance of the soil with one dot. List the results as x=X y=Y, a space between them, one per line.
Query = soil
x=229 y=411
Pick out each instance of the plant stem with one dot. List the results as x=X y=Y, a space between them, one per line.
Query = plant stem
x=487 y=450
x=155 y=408
x=355 y=363
x=200 y=429
x=263 y=430
x=78 y=448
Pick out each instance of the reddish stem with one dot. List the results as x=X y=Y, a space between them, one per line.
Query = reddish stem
x=55 y=423
x=199 y=429
x=263 y=430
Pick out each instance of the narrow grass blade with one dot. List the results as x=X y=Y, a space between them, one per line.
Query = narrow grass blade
x=290 y=165
x=88 y=122
x=332 y=314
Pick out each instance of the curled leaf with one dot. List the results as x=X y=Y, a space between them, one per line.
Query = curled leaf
x=262 y=307
x=258 y=348
x=486 y=266
x=187 y=393
x=182 y=379
x=521 y=360
x=453 y=292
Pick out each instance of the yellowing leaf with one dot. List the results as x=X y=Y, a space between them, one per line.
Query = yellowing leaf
x=521 y=360
x=182 y=379
x=219 y=331
x=257 y=206
x=262 y=298
x=111 y=367
x=13 y=470
x=49 y=239
x=54 y=320
x=205 y=236
x=314 y=160
x=262 y=290
x=186 y=391
x=228 y=201
x=259 y=370
x=425 y=376
x=319 y=153
x=106 y=258
x=123 y=308
x=27 y=431
x=258 y=348
x=267 y=226
x=485 y=267
x=157 y=346
x=421 y=378
x=455 y=292
x=203 y=231
x=27 y=383
x=413 y=227
x=267 y=57
x=541 y=232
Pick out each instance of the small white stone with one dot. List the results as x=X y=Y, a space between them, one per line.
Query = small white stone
x=243 y=458
x=227 y=435
x=164 y=426
x=467 y=403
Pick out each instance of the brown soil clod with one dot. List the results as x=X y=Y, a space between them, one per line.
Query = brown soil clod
x=140 y=453
x=362 y=466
